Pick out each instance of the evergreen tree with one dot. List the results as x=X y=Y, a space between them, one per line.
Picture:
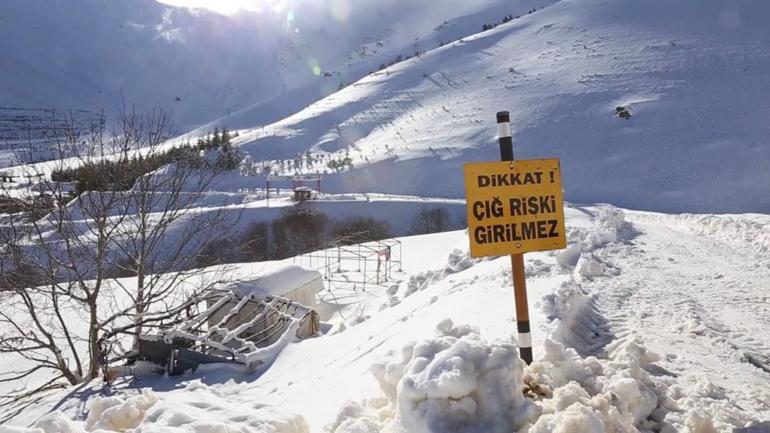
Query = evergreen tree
x=216 y=142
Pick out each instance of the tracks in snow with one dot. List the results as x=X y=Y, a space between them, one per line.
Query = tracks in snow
x=700 y=302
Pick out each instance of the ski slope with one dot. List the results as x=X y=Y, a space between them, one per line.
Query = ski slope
x=646 y=322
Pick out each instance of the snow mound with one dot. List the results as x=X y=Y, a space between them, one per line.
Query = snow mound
x=609 y=226
x=574 y=319
x=589 y=267
x=622 y=391
x=456 y=382
x=592 y=395
x=457 y=261
x=116 y=414
x=106 y=414
x=275 y=279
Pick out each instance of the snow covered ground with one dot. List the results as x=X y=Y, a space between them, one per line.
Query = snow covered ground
x=646 y=322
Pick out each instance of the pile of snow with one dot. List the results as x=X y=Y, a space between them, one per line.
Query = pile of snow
x=573 y=318
x=596 y=396
x=106 y=414
x=565 y=300
x=608 y=226
x=622 y=391
x=457 y=261
x=456 y=382
x=118 y=414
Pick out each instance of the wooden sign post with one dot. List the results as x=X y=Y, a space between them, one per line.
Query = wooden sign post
x=514 y=207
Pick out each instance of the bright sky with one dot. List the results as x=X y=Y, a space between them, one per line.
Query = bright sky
x=223 y=6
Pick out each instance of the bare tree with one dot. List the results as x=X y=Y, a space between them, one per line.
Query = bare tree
x=358 y=229
x=83 y=275
x=431 y=220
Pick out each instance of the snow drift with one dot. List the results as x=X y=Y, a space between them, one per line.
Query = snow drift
x=456 y=382
x=195 y=409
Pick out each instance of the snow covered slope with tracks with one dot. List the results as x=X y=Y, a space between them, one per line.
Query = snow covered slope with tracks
x=692 y=74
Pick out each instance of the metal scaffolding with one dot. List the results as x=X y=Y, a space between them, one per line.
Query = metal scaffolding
x=360 y=264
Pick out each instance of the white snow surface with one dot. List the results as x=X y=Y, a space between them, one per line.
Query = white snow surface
x=670 y=337
x=203 y=66
x=273 y=279
x=646 y=322
x=692 y=74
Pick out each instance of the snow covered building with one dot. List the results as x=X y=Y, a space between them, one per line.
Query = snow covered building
x=289 y=281
x=292 y=287
x=247 y=322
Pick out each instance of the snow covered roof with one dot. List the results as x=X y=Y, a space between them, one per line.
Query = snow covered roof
x=274 y=279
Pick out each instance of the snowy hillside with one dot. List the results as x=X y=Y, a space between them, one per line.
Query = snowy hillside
x=692 y=74
x=93 y=54
x=646 y=322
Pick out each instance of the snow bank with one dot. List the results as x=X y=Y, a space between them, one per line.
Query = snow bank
x=456 y=262
x=592 y=395
x=623 y=390
x=118 y=414
x=573 y=317
x=107 y=414
x=752 y=231
x=456 y=382
x=588 y=267
x=609 y=225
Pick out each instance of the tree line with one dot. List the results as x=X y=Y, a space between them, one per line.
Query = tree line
x=121 y=173
x=302 y=229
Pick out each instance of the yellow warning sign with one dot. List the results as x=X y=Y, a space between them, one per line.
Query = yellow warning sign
x=514 y=207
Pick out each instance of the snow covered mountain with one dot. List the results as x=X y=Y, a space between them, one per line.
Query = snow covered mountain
x=97 y=54
x=692 y=75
